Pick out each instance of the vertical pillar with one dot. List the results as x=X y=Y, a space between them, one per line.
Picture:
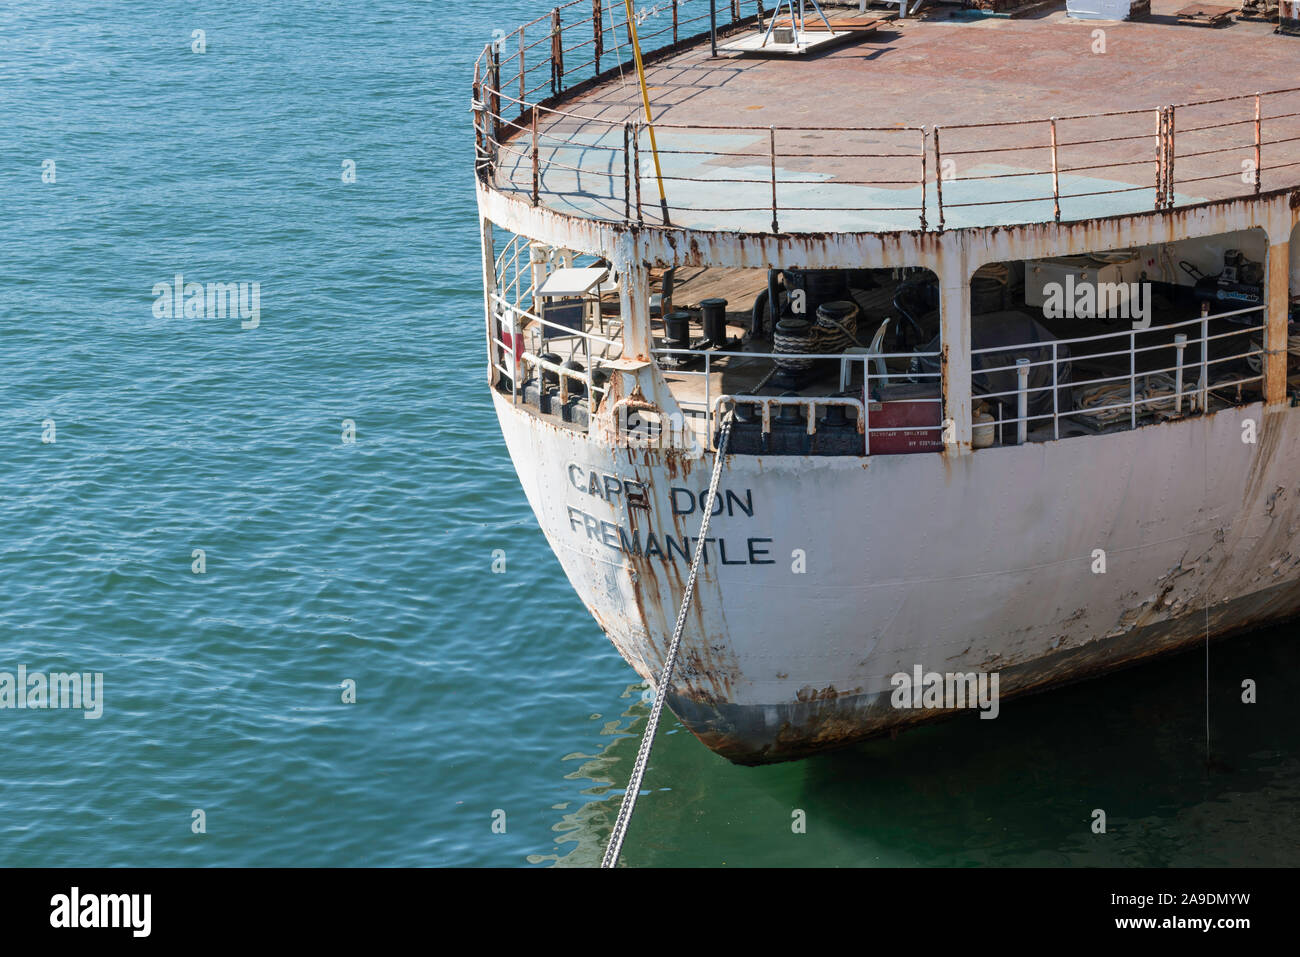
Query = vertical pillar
x=1278 y=300
x=539 y=264
x=954 y=345
x=634 y=307
x=489 y=287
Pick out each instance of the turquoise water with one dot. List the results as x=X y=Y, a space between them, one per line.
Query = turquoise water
x=370 y=562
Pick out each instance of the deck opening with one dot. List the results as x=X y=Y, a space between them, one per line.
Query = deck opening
x=1116 y=339
x=812 y=361
x=554 y=323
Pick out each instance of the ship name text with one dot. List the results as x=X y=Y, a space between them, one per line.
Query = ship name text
x=636 y=543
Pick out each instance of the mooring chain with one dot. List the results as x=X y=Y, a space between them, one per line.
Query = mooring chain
x=666 y=676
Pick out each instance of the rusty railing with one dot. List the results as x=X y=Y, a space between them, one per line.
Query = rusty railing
x=898 y=178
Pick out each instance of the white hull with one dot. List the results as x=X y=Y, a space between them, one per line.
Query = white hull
x=969 y=560
x=982 y=562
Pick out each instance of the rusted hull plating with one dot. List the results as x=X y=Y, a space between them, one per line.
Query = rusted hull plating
x=981 y=563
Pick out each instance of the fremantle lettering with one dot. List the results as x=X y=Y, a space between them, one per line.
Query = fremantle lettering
x=750 y=551
x=636 y=543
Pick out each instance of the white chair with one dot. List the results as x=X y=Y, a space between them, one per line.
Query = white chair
x=875 y=349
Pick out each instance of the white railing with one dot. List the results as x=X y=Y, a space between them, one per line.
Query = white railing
x=847 y=361
x=1164 y=386
x=511 y=355
x=510 y=311
x=1183 y=387
x=765 y=402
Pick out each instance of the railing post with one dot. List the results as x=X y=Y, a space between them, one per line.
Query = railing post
x=494 y=77
x=636 y=170
x=938 y=177
x=1022 y=401
x=538 y=268
x=1258 y=161
x=627 y=171
x=516 y=365
x=1180 y=346
x=480 y=138
x=674 y=22
x=735 y=11
x=557 y=53
x=866 y=405
x=771 y=142
x=1171 y=143
x=1056 y=411
x=924 y=187
x=1160 y=157
x=1056 y=179
x=537 y=166
x=511 y=361
x=1165 y=154
x=1132 y=380
x=706 y=391
x=1204 y=384
x=598 y=24
x=523 y=81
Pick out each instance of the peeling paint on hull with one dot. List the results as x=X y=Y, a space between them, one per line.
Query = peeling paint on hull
x=977 y=563
x=766 y=734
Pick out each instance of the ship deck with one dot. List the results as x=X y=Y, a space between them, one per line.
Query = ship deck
x=722 y=164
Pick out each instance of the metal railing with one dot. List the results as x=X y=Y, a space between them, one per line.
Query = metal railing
x=766 y=402
x=511 y=313
x=1022 y=170
x=1183 y=386
x=1214 y=146
x=1162 y=390
x=711 y=406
